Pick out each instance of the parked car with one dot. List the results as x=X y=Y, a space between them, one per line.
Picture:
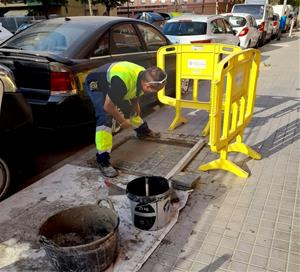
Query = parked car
x=200 y=29
x=4 y=34
x=15 y=129
x=170 y=15
x=51 y=59
x=275 y=23
x=263 y=14
x=245 y=26
x=153 y=18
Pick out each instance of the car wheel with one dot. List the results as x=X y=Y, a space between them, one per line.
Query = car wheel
x=4 y=178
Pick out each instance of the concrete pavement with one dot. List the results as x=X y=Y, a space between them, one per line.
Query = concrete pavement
x=233 y=224
x=229 y=224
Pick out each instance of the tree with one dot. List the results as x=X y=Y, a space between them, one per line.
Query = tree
x=109 y=4
x=47 y=3
x=294 y=3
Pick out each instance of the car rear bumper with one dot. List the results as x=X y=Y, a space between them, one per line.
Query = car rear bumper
x=61 y=112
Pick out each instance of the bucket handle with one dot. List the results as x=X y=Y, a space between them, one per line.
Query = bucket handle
x=108 y=201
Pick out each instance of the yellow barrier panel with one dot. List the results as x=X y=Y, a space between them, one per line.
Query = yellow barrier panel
x=195 y=62
x=234 y=89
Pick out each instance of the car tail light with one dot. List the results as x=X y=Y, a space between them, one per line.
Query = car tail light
x=244 y=32
x=275 y=24
x=202 y=41
x=261 y=27
x=61 y=80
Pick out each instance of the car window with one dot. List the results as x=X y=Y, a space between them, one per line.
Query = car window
x=227 y=26
x=153 y=38
x=124 y=39
x=257 y=11
x=218 y=27
x=185 y=28
x=237 y=21
x=102 y=48
x=48 y=36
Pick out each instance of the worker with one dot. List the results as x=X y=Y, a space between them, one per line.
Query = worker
x=115 y=86
x=282 y=26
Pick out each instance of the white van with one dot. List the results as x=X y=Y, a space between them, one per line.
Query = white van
x=263 y=14
x=287 y=11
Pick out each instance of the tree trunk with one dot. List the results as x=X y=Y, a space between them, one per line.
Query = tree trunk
x=90 y=7
x=46 y=10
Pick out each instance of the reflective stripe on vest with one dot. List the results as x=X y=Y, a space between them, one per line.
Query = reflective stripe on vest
x=128 y=72
x=103 y=139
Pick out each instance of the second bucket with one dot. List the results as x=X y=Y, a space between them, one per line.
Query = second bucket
x=150 y=202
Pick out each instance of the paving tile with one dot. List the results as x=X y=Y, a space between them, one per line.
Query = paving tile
x=277 y=264
x=188 y=254
x=204 y=258
x=293 y=267
x=280 y=254
x=282 y=235
x=295 y=247
x=294 y=258
x=249 y=238
x=241 y=256
x=208 y=248
x=197 y=267
x=259 y=261
x=252 y=268
x=183 y=264
x=261 y=251
x=221 y=262
x=243 y=246
x=237 y=266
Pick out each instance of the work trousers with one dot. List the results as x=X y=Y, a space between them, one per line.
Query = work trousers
x=103 y=135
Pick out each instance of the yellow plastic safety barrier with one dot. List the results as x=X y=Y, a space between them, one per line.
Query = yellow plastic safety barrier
x=193 y=62
x=234 y=89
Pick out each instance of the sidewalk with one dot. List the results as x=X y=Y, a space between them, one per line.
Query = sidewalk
x=232 y=224
x=228 y=224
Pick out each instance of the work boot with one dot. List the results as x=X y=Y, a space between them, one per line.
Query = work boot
x=105 y=167
x=143 y=132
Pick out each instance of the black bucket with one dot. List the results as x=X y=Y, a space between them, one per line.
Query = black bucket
x=83 y=238
x=150 y=202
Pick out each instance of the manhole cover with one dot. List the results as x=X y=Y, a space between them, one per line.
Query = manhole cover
x=148 y=157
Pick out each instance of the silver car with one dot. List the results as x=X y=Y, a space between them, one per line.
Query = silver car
x=200 y=29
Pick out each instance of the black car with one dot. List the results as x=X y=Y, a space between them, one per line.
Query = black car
x=51 y=59
x=15 y=129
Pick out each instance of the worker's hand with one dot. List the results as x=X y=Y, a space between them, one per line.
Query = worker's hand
x=126 y=124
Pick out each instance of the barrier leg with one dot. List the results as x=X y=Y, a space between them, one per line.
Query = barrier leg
x=226 y=165
x=205 y=131
x=240 y=147
x=179 y=119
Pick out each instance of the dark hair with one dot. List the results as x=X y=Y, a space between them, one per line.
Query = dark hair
x=154 y=74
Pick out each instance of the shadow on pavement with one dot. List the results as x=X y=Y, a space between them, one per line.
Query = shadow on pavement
x=214 y=266
x=279 y=139
x=266 y=102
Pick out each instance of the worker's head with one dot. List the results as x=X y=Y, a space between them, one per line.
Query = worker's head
x=153 y=79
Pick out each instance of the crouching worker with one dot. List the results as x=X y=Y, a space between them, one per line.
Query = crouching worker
x=119 y=85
